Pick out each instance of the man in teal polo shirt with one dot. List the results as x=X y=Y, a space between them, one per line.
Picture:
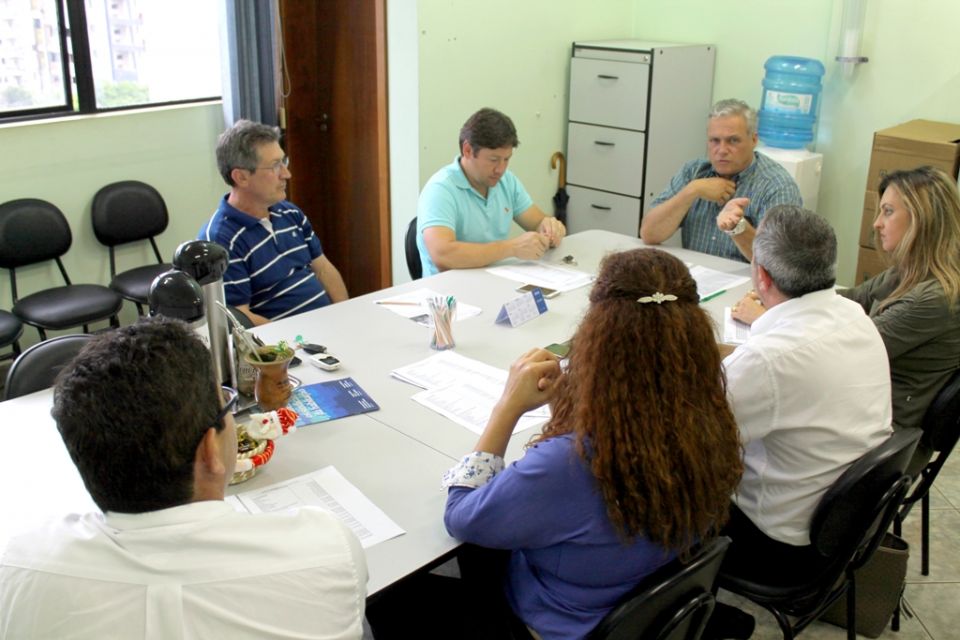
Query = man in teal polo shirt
x=465 y=209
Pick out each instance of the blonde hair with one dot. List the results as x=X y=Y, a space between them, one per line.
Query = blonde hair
x=930 y=248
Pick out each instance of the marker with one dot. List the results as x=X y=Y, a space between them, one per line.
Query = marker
x=713 y=295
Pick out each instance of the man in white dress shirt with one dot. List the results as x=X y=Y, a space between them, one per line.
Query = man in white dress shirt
x=155 y=443
x=810 y=390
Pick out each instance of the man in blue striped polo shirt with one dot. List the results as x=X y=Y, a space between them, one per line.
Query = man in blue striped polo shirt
x=277 y=267
x=719 y=201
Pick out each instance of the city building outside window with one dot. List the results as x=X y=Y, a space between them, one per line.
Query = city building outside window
x=62 y=57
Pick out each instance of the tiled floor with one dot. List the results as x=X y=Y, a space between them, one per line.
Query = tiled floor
x=932 y=598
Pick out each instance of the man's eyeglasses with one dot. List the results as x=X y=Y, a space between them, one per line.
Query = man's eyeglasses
x=230 y=398
x=277 y=167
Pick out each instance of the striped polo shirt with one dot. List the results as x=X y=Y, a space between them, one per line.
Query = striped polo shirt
x=269 y=269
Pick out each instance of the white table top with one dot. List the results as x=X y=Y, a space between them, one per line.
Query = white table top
x=395 y=456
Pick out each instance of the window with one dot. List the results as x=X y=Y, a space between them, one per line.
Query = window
x=60 y=57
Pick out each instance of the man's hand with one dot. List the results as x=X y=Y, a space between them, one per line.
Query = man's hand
x=553 y=229
x=530 y=245
x=717 y=190
x=748 y=309
x=731 y=214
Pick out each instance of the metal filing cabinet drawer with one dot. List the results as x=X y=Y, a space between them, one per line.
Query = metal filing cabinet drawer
x=609 y=93
x=591 y=209
x=605 y=158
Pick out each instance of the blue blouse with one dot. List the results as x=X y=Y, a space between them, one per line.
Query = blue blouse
x=568 y=568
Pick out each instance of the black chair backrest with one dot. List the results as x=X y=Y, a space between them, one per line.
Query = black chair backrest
x=412 y=253
x=941 y=422
x=673 y=603
x=31 y=231
x=854 y=513
x=128 y=211
x=37 y=367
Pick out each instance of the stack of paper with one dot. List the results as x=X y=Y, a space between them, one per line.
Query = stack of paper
x=463 y=390
x=413 y=305
x=543 y=274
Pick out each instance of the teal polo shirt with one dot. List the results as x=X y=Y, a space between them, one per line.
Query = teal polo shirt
x=448 y=200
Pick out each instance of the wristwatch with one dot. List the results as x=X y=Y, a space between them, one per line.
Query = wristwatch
x=737 y=230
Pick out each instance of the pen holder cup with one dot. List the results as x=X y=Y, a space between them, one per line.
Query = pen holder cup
x=441 y=338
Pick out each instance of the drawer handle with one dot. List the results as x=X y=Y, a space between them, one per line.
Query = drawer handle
x=606 y=77
x=604 y=144
x=597 y=206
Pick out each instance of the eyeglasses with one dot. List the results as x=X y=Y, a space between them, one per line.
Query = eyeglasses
x=230 y=398
x=277 y=167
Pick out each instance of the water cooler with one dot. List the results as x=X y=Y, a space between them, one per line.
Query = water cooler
x=803 y=166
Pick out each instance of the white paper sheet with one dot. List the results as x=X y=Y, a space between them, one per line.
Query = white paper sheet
x=734 y=331
x=328 y=490
x=399 y=304
x=711 y=282
x=463 y=390
x=543 y=275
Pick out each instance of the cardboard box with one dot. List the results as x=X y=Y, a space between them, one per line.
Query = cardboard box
x=914 y=144
x=870 y=262
x=906 y=146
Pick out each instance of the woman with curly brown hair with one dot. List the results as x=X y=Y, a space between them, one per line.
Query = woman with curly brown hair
x=636 y=465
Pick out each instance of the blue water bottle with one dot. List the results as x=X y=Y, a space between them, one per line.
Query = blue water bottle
x=791 y=100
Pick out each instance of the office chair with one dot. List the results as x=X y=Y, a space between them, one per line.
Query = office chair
x=673 y=603
x=125 y=212
x=10 y=331
x=847 y=526
x=941 y=430
x=34 y=231
x=37 y=367
x=412 y=252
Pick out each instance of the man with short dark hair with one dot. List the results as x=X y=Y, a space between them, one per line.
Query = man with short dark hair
x=277 y=266
x=719 y=200
x=465 y=209
x=155 y=444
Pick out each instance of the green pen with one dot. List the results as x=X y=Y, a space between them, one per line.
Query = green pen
x=713 y=295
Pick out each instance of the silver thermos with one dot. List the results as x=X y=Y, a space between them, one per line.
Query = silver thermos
x=206 y=262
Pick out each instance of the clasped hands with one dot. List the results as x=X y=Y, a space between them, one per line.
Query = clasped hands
x=530 y=383
x=533 y=244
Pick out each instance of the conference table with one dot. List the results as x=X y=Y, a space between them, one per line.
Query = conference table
x=395 y=456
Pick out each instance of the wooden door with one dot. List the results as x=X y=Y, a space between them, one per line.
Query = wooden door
x=336 y=131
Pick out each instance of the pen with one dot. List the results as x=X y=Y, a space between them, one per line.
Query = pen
x=713 y=295
x=398 y=302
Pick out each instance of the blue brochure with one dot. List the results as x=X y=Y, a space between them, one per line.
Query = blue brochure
x=330 y=400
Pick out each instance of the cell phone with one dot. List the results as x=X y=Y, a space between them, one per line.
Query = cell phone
x=325 y=361
x=309 y=347
x=546 y=292
x=559 y=349
x=296 y=362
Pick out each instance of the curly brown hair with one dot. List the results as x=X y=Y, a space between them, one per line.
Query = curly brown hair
x=645 y=396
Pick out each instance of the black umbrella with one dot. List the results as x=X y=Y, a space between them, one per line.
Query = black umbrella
x=561 y=198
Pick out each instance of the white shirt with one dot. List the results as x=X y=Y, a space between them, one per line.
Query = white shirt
x=810 y=390
x=200 y=570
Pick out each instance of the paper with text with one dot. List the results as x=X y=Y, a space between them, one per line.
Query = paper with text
x=414 y=305
x=543 y=274
x=328 y=490
x=711 y=281
x=734 y=331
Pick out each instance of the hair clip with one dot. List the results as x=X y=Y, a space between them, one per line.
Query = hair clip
x=657 y=297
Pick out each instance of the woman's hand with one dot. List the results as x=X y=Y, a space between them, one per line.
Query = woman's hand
x=748 y=309
x=530 y=384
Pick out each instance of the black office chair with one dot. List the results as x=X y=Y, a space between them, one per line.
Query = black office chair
x=10 y=331
x=240 y=317
x=847 y=526
x=941 y=430
x=673 y=603
x=124 y=212
x=412 y=252
x=34 y=231
x=37 y=367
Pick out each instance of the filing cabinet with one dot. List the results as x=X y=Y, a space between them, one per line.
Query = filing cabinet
x=637 y=112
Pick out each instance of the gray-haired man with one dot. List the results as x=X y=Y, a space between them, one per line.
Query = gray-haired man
x=720 y=200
